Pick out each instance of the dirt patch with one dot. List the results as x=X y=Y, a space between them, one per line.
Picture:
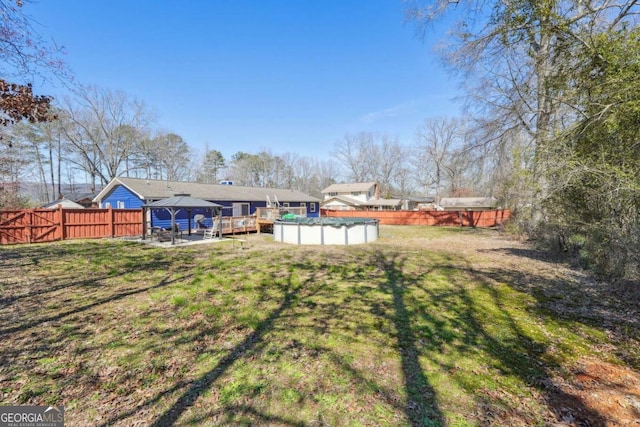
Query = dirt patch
x=609 y=395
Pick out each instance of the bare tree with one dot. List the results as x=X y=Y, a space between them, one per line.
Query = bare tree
x=103 y=128
x=13 y=165
x=387 y=158
x=353 y=152
x=312 y=175
x=261 y=170
x=41 y=144
x=174 y=156
x=369 y=156
x=439 y=142
x=23 y=52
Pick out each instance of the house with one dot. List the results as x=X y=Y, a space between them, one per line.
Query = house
x=468 y=203
x=357 y=196
x=65 y=203
x=133 y=193
x=84 y=199
x=418 y=203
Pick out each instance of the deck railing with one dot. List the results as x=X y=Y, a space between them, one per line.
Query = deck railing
x=271 y=214
x=238 y=224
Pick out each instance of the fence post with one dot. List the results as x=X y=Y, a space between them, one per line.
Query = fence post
x=29 y=225
x=110 y=225
x=144 y=224
x=61 y=233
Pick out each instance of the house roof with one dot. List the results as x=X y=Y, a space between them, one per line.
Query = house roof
x=468 y=202
x=420 y=199
x=148 y=189
x=349 y=187
x=66 y=203
x=350 y=201
x=383 y=202
x=355 y=202
x=76 y=197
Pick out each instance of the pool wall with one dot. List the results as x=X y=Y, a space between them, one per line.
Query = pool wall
x=327 y=231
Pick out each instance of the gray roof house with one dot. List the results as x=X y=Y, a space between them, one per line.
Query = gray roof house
x=468 y=203
x=65 y=203
x=357 y=196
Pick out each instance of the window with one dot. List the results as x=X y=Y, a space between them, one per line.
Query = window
x=121 y=204
x=312 y=207
x=356 y=193
x=333 y=194
x=241 y=209
x=303 y=205
x=107 y=205
x=285 y=204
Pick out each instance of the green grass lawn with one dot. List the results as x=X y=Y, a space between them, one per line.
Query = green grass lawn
x=427 y=326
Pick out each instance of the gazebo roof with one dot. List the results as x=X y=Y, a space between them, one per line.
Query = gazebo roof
x=182 y=201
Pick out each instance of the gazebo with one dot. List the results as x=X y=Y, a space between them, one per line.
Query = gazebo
x=174 y=205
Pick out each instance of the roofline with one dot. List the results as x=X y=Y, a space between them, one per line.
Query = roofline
x=115 y=181
x=340 y=199
x=369 y=183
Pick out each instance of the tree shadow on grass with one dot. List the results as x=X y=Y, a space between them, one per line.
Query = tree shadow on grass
x=421 y=407
x=577 y=296
x=259 y=416
x=487 y=326
x=66 y=275
x=523 y=357
x=32 y=255
x=194 y=389
x=118 y=296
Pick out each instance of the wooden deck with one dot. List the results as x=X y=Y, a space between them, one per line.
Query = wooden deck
x=239 y=224
x=266 y=216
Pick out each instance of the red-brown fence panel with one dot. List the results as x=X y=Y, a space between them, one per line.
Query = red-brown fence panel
x=44 y=225
x=436 y=218
x=29 y=226
x=127 y=222
x=85 y=223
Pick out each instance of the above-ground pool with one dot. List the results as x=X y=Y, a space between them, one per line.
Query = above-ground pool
x=326 y=231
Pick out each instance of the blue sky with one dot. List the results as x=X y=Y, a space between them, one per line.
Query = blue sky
x=239 y=75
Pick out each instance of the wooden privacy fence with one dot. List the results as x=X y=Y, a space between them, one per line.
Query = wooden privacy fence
x=444 y=218
x=46 y=225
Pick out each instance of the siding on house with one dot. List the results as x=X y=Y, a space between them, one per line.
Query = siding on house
x=122 y=198
x=162 y=217
x=360 y=191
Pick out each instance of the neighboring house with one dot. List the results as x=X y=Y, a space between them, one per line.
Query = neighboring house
x=357 y=196
x=84 y=199
x=132 y=193
x=468 y=203
x=65 y=203
x=418 y=203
